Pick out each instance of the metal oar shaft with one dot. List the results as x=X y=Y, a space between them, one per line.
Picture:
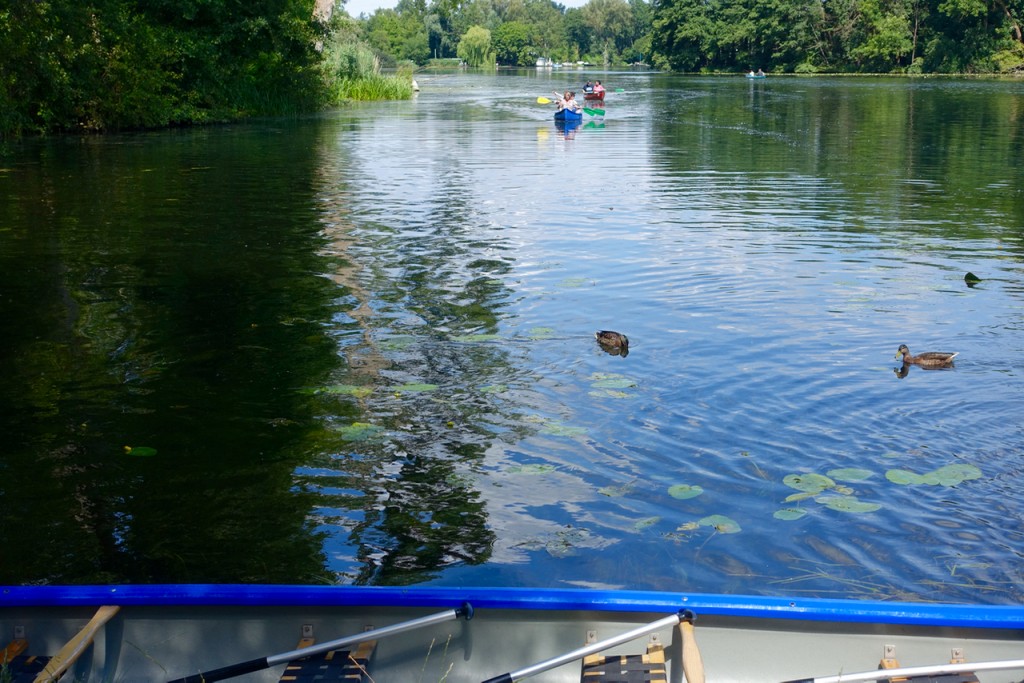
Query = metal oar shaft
x=910 y=671
x=266 y=662
x=540 y=667
x=376 y=633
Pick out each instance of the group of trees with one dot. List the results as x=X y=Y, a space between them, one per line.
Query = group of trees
x=877 y=36
x=512 y=32
x=107 y=64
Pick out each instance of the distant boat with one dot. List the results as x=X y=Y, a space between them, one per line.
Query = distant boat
x=544 y=63
x=756 y=76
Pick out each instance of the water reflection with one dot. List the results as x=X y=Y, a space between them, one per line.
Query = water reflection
x=567 y=129
x=363 y=346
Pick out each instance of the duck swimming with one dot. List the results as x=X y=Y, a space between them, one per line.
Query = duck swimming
x=928 y=358
x=614 y=343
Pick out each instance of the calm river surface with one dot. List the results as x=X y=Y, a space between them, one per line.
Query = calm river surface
x=359 y=347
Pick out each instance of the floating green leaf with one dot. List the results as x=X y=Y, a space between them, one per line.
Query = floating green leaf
x=615 y=491
x=850 y=474
x=645 y=523
x=416 y=388
x=684 y=491
x=531 y=469
x=721 y=523
x=476 y=337
x=610 y=393
x=397 y=343
x=809 y=482
x=904 y=477
x=949 y=475
x=847 y=504
x=360 y=431
x=566 y=541
x=559 y=429
x=574 y=282
x=789 y=514
x=957 y=473
x=139 y=451
x=537 y=333
x=347 y=389
x=601 y=380
x=494 y=388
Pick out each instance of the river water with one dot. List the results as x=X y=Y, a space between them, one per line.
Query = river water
x=359 y=347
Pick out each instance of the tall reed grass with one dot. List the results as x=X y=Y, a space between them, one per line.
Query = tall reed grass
x=353 y=73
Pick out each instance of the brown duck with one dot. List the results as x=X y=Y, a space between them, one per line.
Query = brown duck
x=928 y=358
x=614 y=343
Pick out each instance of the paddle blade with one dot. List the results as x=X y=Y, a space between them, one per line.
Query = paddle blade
x=593 y=112
x=543 y=100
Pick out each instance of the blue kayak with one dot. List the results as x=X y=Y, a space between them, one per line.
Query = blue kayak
x=566 y=115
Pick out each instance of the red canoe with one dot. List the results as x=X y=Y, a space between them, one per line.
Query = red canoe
x=594 y=96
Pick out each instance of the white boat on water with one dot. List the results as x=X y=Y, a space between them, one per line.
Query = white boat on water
x=192 y=633
x=544 y=63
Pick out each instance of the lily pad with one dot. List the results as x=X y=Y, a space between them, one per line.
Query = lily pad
x=850 y=474
x=532 y=469
x=346 y=389
x=602 y=380
x=559 y=429
x=645 y=523
x=949 y=475
x=904 y=477
x=615 y=491
x=139 y=451
x=537 y=333
x=416 y=388
x=684 y=491
x=847 y=504
x=360 y=431
x=957 y=473
x=397 y=343
x=476 y=337
x=808 y=482
x=721 y=523
x=789 y=514
x=610 y=393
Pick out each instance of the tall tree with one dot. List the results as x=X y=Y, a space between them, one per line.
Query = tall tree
x=475 y=47
x=512 y=44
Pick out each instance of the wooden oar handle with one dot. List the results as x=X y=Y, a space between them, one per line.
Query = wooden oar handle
x=74 y=648
x=693 y=664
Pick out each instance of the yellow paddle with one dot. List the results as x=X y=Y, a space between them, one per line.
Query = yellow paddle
x=543 y=100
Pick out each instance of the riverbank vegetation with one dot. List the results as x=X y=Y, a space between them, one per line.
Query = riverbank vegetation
x=114 y=64
x=794 y=36
x=102 y=65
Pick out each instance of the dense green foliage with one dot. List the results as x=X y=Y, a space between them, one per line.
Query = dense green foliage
x=107 y=64
x=804 y=36
x=883 y=36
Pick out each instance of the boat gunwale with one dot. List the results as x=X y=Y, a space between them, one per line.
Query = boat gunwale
x=519 y=598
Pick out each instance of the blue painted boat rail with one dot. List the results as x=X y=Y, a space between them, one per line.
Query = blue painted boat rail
x=548 y=599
